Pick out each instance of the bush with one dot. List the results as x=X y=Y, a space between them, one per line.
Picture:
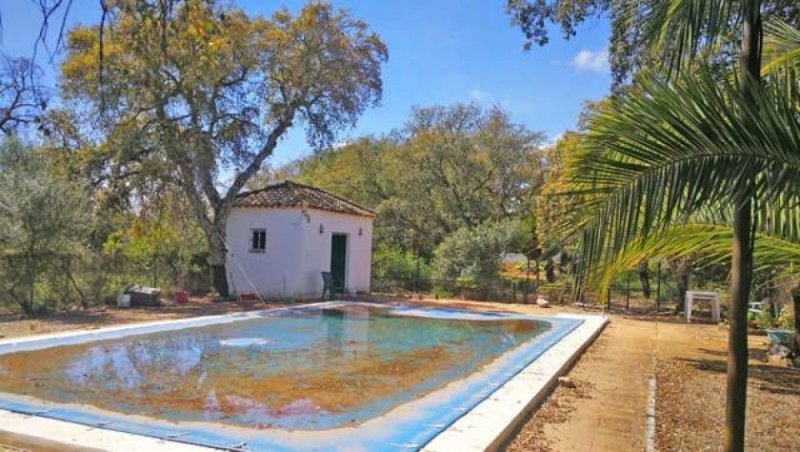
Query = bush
x=473 y=256
x=765 y=318
x=45 y=221
x=442 y=292
x=786 y=320
x=556 y=292
x=394 y=269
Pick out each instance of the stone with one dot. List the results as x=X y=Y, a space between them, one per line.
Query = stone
x=566 y=382
x=542 y=302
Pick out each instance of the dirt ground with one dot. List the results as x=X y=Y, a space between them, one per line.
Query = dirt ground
x=606 y=410
x=15 y=325
x=690 y=403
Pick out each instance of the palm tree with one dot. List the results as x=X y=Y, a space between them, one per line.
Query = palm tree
x=679 y=146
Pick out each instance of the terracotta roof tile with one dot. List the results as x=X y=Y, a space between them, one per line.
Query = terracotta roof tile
x=293 y=194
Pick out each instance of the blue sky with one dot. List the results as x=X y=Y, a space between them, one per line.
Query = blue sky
x=440 y=52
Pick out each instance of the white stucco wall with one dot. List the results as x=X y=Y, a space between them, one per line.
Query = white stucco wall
x=317 y=251
x=296 y=252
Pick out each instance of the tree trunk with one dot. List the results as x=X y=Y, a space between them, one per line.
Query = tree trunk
x=741 y=278
x=742 y=258
x=796 y=303
x=644 y=278
x=682 y=274
x=219 y=274
x=563 y=261
x=527 y=280
x=549 y=270
x=71 y=278
x=28 y=303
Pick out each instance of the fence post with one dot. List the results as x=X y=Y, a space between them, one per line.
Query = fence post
x=525 y=288
x=417 y=284
x=658 y=289
x=628 y=292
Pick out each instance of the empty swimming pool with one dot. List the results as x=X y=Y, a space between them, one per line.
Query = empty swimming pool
x=327 y=376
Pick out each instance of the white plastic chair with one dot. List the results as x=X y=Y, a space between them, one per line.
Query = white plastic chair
x=712 y=297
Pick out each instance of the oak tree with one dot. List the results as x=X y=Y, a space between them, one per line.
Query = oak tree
x=199 y=95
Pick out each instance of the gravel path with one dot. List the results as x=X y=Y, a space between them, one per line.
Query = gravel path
x=606 y=409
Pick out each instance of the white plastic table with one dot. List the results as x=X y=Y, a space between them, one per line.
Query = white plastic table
x=712 y=297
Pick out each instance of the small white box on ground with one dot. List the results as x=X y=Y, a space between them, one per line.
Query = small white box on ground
x=124 y=301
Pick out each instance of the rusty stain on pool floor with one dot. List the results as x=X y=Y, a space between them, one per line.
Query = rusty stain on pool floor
x=304 y=369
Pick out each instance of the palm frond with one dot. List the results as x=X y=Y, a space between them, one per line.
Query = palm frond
x=680 y=29
x=705 y=244
x=781 y=46
x=658 y=156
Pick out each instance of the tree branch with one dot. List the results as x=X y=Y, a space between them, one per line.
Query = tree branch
x=242 y=178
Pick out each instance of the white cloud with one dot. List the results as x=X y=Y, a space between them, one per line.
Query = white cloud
x=554 y=139
x=480 y=96
x=591 y=61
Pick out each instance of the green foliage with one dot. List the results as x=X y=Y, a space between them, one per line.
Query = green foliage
x=626 y=54
x=361 y=171
x=709 y=245
x=45 y=222
x=765 y=319
x=57 y=251
x=558 y=291
x=781 y=47
x=162 y=245
x=786 y=319
x=394 y=269
x=553 y=209
x=684 y=35
x=472 y=255
x=449 y=168
x=667 y=152
x=442 y=292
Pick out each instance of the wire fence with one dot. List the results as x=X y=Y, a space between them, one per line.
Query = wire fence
x=656 y=293
x=501 y=290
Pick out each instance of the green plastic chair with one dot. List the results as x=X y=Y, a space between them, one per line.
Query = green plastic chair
x=331 y=285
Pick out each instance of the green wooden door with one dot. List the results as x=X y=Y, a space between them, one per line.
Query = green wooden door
x=338 y=259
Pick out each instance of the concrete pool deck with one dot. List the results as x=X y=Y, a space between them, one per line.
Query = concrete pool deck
x=487 y=425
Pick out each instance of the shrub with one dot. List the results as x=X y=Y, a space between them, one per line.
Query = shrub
x=394 y=269
x=765 y=318
x=472 y=256
x=556 y=292
x=45 y=222
x=442 y=292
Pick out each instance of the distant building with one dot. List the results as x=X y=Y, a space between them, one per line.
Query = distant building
x=281 y=238
x=514 y=258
